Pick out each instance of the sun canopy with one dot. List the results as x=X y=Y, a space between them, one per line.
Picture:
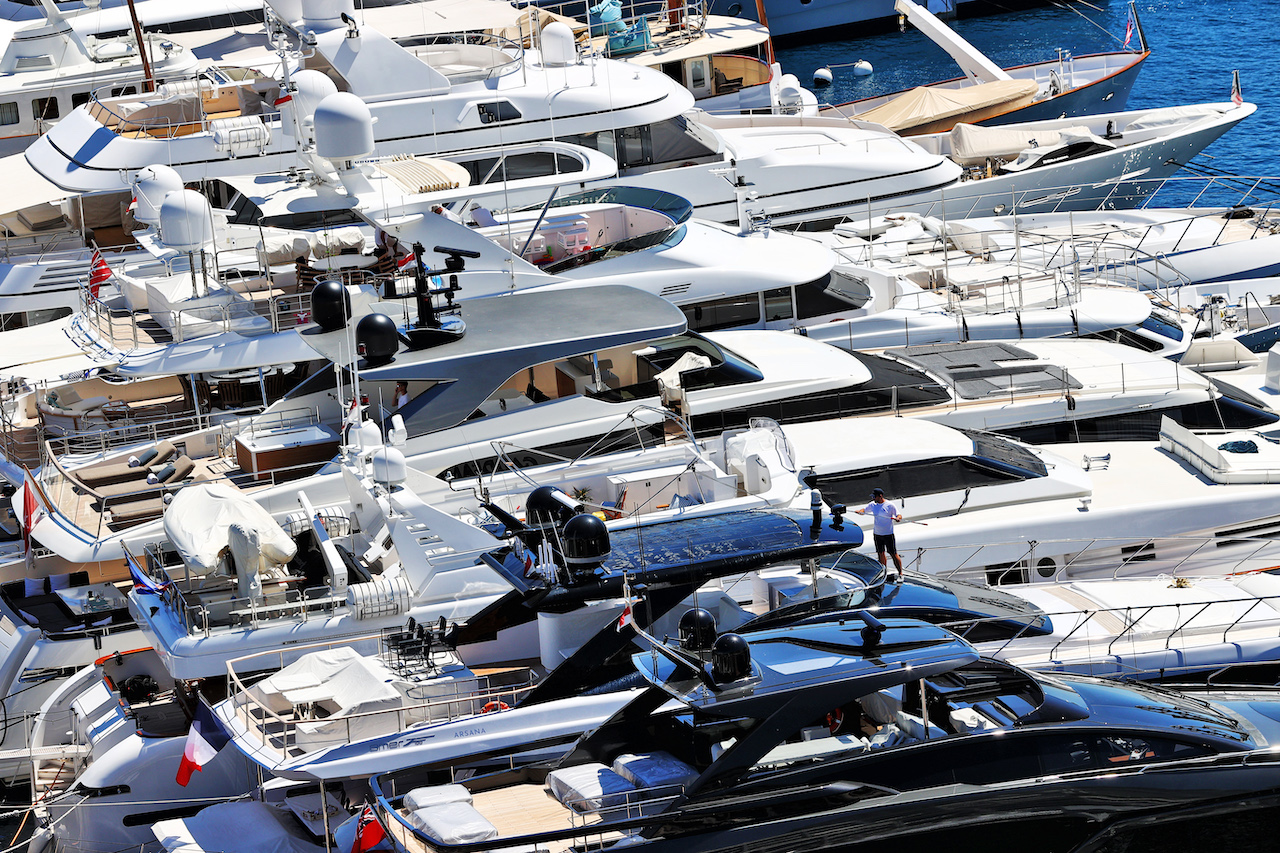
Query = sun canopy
x=924 y=107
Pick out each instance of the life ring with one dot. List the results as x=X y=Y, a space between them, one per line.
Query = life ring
x=835 y=720
x=495 y=706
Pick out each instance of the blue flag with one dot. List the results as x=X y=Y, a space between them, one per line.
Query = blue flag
x=142 y=582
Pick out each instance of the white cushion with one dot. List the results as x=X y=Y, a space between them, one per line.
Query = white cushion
x=453 y=823
x=653 y=769
x=914 y=728
x=32 y=586
x=588 y=787
x=435 y=795
x=61 y=581
x=969 y=720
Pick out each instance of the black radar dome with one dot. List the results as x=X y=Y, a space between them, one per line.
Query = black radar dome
x=730 y=659
x=330 y=304
x=697 y=630
x=586 y=542
x=377 y=339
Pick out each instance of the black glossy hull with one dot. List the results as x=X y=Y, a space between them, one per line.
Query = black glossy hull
x=1093 y=814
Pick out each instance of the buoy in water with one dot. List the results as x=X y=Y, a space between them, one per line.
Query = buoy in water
x=862 y=68
x=822 y=78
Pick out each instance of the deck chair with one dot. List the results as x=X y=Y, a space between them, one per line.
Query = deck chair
x=107 y=473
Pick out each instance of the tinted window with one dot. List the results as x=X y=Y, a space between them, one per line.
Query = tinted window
x=79 y=99
x=911 y=480
x=9 y=113
x=727 y=313
x=828 y=296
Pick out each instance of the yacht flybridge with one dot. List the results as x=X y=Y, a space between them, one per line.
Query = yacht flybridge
x=799 y=169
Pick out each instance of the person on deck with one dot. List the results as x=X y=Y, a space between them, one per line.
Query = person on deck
x=883 y=515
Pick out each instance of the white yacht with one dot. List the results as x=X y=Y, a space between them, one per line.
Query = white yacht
x=800 y=168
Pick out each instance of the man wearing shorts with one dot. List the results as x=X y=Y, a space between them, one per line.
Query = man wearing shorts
x=884 y=514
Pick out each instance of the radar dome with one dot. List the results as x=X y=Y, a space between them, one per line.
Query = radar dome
x=586 y=542
x=730 y=659
x=330 y=304
x=377 y=339
x=150 y=186
x=186 y=221
x=558 y=46
x=389 y=466
x=343 y=127
x=310 y=87
x=697 y=630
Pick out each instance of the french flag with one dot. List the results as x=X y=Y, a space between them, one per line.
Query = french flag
x=204 y=740
x=143 y=582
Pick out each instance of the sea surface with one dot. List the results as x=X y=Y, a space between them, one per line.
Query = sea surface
x=1195 y=45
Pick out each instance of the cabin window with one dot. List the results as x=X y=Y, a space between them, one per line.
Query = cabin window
x=79 y=99
x=45 y=109
x=727 y=313
x=118 y=91
x=777 y=304
x=832 y=294
x=9 y=113
x=497 y=111
x=697 y=74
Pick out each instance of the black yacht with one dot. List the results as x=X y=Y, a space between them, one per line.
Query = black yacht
x=783 y=738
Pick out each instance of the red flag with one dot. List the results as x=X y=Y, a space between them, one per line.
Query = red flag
x=405 y=261
x=99 y=273
x=369 y=833
x=627 y=617
x=32 y=507
x=1236 y=97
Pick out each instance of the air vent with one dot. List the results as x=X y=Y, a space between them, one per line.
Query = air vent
x=31 y=63
x=1267 y=529
x=676 y=289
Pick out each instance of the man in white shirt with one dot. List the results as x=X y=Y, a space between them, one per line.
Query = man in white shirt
x=884 y=514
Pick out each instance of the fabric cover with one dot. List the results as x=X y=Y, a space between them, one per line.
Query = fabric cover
x=653 y=769
x=926 y=105
x=588 y=787
x=435 y=795
x=199 y=517
x=972 y=145
x=453 y=823
x=670 y=378
x=284 y=247
x=245 y=827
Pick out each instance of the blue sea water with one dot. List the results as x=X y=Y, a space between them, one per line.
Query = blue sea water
x=1194 y=44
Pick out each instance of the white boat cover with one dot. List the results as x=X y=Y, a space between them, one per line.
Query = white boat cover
x=199 y=518
x=246 y=827
x=670 y=378
x=972 y=145
x=926 y=105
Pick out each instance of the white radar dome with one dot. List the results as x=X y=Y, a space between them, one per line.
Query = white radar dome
x=558 y=46
x=310 y=88
x=326 y=14
x=186 y=221
x=150 y=186
x=389 y=466
x=343 y=128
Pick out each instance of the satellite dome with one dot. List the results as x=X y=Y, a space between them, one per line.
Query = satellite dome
x=558 y=47
x=343 y=127
x=586 y=542
x=697 y=630
x=310 y=87
x=186 y=221
x=150 y=186
x=549 y=505
x=377 y=339
x=389 y=466
x=330 y=304
x=730 y=659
